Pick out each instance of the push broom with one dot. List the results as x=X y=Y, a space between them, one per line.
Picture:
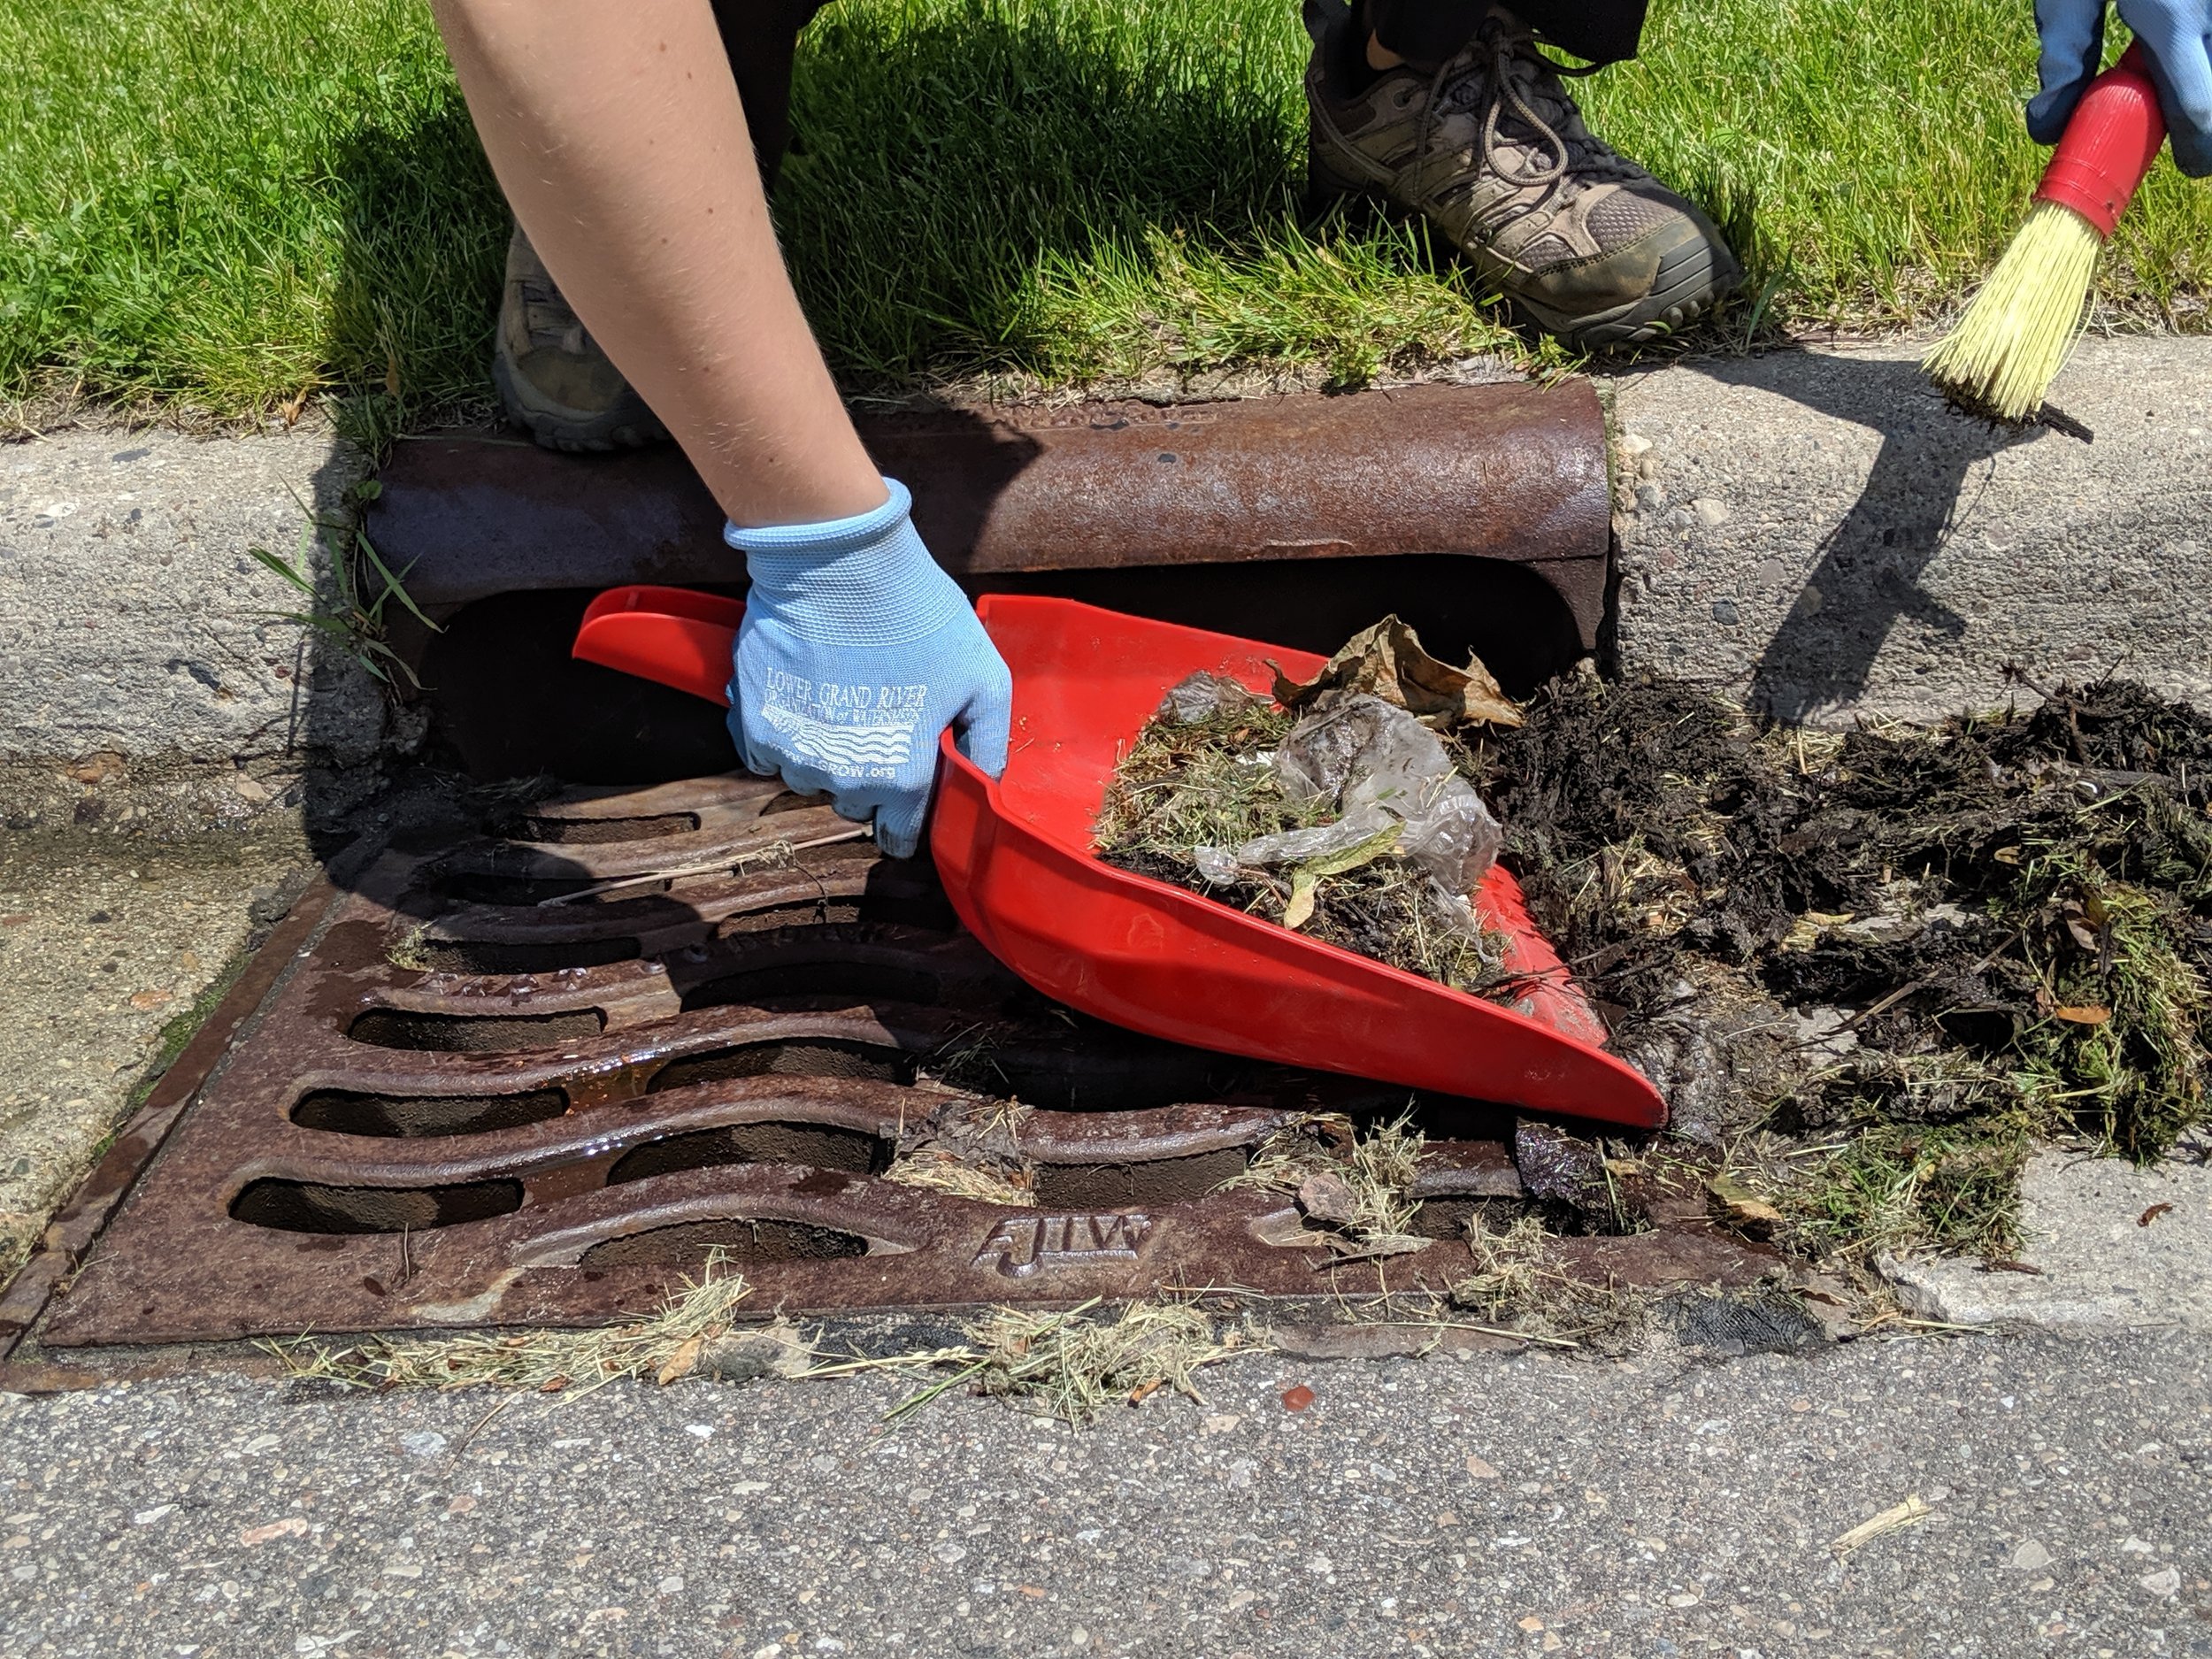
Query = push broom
x=2015 y=337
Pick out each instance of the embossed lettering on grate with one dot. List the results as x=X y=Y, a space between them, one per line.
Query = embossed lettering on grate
x=536 y=1079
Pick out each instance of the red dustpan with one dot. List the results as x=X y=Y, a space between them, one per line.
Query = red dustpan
x=1015 y=855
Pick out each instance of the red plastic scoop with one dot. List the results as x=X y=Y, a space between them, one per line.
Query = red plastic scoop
x=1016 y=858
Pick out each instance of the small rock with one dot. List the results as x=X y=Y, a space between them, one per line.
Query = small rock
x=422 y=1443
x=1725 y=613
x=247 y=790
x=2165 y=1581
x=1482 y=1469
x=1710 y=513
x=1633 y=444
x=672 y=1585
x=1328 y=1198
x=2030 y=1557
x=1297 y=1398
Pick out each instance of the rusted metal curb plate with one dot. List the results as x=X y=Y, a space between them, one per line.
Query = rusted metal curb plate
x=1510 y=471
x=439 y=1099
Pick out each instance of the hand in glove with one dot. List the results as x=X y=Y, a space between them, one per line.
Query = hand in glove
x=855 y=653
x=2177 y=37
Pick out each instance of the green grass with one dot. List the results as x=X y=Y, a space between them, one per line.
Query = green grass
x=228 y=202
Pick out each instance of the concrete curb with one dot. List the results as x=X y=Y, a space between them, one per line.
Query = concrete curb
x=1820 y=534
x=2108 y=1247
x=1813 y=531
x=134 y=629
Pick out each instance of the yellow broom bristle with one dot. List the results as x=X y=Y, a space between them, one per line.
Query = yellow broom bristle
x=2015 y=337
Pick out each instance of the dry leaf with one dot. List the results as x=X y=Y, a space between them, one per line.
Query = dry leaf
x=1386 y=661
x=1911 y=1510
x=2087 y=1015
x=1145 y=1390
x=2152 y=1214
x=679 y=1364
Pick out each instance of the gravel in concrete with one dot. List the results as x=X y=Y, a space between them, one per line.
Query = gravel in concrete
x=1477 y=1507
x=2113 y=1246
x=133 y=622
x=1820 y=533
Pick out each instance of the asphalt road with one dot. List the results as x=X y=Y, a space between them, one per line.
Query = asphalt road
x=1477 y=1506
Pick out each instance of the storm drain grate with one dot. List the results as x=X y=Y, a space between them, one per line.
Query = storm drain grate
x=534 y=1080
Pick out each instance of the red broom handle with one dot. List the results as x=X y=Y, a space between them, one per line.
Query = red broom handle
x=2109 y=144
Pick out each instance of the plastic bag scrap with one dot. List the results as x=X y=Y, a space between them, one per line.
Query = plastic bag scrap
x=1203 y=696
x=1382 y=768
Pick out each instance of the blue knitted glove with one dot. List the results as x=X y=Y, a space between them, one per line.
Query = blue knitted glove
x=2177 y=36
x=855 y=652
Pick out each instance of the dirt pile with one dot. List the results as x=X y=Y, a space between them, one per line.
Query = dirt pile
x=1912 y=949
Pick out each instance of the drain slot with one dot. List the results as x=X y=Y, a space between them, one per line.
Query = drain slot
x=473 y=1033
x=811 y=1058
x=1159 y=1181
x=495 y=956
x=818 y=1145
x=857 y=981
x=348 y=1112
x=522 y=892
x=598 y=831
x=309 y=1207
x=690 y=1243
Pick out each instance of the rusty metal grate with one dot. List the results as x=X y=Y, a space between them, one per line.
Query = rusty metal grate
x=532 y=1079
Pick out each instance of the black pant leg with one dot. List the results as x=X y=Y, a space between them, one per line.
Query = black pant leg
x=1429 y=31
x=761 y=37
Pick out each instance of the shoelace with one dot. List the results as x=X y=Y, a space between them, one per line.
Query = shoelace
x=1513 y=59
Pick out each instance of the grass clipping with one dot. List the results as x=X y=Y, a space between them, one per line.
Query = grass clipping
x=666 y=1346
x=1289 y=810
x=1074 y=1366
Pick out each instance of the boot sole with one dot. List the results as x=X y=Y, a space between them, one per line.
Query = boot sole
x=1690 y=282
x=573 y=431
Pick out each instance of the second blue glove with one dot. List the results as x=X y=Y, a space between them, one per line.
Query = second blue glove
x=855 y=653
x=2177 y=37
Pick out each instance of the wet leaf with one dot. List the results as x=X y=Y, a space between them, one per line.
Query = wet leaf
x=1305 y=880
x=2089 y=1014
x=1386 y=661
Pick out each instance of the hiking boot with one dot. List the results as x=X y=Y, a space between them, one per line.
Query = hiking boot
x=1492 y=151
x=557 y=383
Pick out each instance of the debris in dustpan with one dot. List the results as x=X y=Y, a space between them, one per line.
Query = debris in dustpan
x=1336 y=809
x=1871 y=970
